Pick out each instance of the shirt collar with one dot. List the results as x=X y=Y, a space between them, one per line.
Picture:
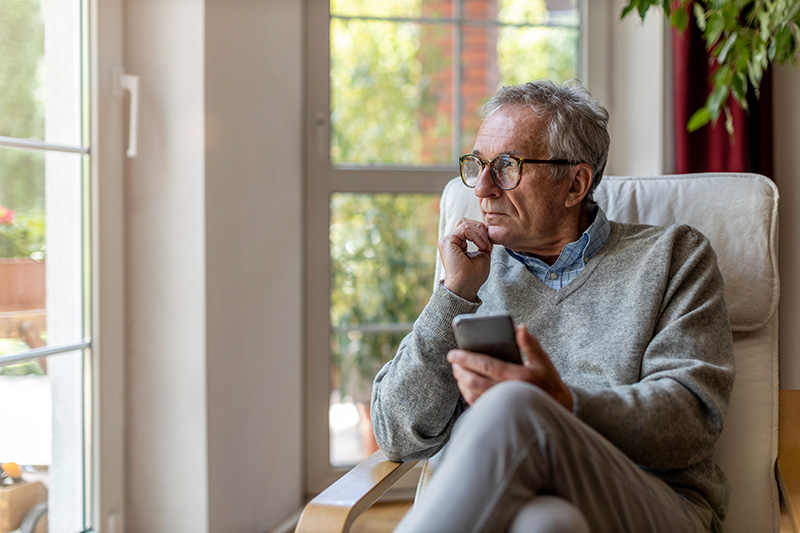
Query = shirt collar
x=574 y=254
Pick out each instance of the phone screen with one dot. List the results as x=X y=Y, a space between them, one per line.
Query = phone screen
x=491 y=335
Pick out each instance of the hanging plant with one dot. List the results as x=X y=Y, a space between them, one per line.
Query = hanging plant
x=743 y=36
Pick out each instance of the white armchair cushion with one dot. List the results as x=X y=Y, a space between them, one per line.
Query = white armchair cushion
x=737 y=212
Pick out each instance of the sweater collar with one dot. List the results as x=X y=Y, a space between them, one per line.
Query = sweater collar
x=574 y=255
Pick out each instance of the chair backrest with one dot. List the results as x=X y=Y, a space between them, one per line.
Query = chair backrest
x=738 y=214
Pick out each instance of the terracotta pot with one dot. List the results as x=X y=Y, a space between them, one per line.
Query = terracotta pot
x=22 y=284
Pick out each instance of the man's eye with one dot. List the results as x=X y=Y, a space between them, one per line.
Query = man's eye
x=505 y=163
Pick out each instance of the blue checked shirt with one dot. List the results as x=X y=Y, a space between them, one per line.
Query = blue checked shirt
x=573 y=257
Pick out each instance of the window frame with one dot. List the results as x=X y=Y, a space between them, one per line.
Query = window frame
x=322 y=179
x=103 y=269
x=106 y=486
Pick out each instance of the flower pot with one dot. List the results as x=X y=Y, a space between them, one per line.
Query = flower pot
x=22 y=284
x=22 y=300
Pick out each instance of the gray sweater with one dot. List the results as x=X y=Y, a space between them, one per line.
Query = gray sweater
x=641 y=337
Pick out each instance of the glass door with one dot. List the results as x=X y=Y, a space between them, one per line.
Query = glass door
x=44 y=256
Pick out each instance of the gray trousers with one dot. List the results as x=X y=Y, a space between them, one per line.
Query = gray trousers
x=518 y=461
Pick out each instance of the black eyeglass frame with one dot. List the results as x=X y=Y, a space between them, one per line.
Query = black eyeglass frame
x=519 y=160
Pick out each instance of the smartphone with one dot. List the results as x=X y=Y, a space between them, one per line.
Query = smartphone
x=491 y=335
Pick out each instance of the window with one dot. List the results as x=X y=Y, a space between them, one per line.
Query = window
x=45 y=334
x=394 y=92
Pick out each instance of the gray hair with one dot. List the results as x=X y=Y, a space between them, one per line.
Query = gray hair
x=576 y=124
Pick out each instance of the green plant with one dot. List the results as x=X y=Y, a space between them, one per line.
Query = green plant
x=744 y=38
x=382 y=260
x=21 y=236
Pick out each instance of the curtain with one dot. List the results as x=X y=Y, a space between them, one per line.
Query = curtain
x=710 y=148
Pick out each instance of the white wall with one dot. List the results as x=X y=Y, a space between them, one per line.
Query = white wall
x=166 y=352
x=213 y=240
x=254 y=243
x=786 y=133
x=638 y=94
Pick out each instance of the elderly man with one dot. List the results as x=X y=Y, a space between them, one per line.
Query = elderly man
x=611 y=423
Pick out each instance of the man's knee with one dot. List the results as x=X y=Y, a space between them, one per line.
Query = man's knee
x=549 y=514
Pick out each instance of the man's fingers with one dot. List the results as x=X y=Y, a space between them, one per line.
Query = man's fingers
x=474 y=231
x=470 y=384
x=484 y=365
x=530 y=346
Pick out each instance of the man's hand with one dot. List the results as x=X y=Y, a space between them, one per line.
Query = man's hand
x=475 y=373
x=465 y=272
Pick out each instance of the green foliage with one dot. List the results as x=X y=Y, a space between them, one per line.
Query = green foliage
x=382 y=249
x=378 y=83
x=554 y=49
x=21 y=106
x=21 y=236
x=377 y=8
x=744 y=37
x=389 y=77
x=21 y=116
x=28 y=368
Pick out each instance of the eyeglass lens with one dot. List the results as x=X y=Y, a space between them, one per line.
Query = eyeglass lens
x=504 y=170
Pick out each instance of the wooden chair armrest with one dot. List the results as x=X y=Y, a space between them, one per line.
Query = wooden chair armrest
x=789 y=451
x=335 y=508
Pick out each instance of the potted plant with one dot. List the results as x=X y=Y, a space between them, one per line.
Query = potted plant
x=22 y=273
x=744 y=37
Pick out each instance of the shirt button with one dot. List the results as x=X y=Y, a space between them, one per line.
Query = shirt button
x=553 y=276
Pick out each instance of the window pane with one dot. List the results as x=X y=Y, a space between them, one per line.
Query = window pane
x=40 y=70
x=41 y=230
x=43 y=435
x=508 y=55
x=480 y=77
x=397 y=98
x=538 y=12
x=393 y=8
x=386 y=92
x=526 y=54
x=383 y=249
x=42 y=275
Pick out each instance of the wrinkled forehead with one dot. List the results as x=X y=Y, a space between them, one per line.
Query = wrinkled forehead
x=513 y=128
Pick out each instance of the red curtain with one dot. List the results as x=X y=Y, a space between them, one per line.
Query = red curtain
x=710 y=149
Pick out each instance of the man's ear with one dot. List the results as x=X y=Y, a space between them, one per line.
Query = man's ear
x=580 y=177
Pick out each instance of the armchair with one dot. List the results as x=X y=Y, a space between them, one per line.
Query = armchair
x=738 y=213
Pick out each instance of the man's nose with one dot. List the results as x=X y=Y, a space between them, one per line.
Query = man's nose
x=486 y=186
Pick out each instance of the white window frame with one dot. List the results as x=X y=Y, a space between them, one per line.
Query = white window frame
x=322 y=179
x=107 y=426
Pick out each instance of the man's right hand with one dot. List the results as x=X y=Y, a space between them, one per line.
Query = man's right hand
x=466 y=272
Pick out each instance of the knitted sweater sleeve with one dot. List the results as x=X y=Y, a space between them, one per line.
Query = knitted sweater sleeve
x=415 y=399
x=673 y=416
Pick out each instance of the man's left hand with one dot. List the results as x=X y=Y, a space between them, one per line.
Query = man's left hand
x=475 y=373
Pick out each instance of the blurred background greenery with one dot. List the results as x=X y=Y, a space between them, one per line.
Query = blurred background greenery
x=22 y=228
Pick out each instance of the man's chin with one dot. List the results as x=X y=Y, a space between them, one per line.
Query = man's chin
x=498 y=235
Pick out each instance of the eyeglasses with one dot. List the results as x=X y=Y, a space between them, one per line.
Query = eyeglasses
x=505 y=170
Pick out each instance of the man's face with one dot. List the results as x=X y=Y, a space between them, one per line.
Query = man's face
x=532 y=217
